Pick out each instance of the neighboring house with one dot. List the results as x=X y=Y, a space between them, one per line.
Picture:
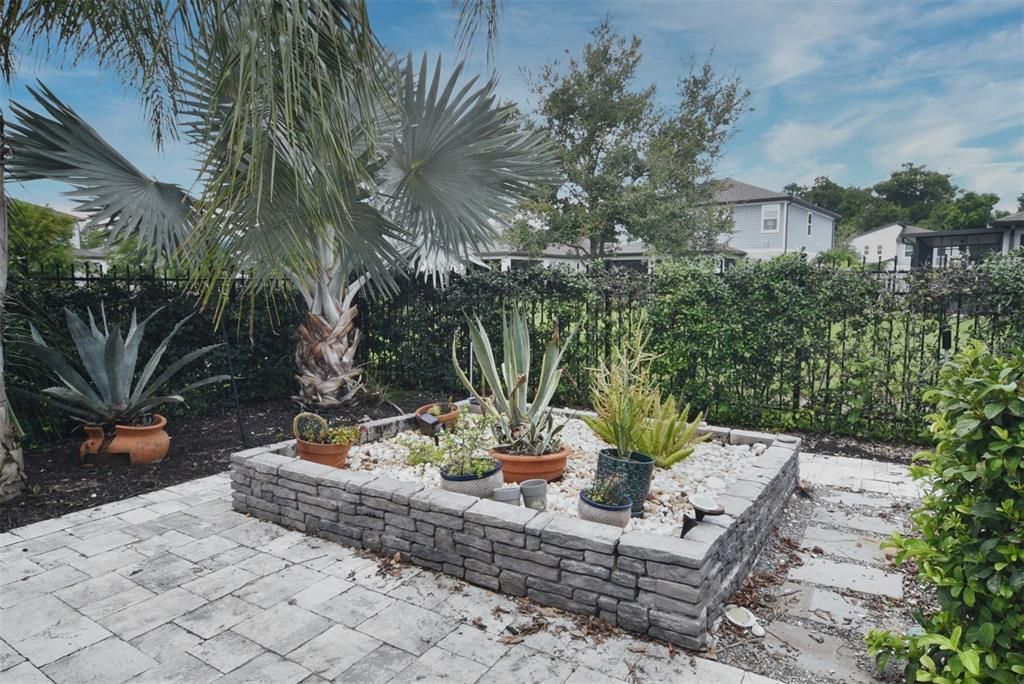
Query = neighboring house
x=768 y=223
x=96 y=259
x=888 y=244
x=765 y=224
x=945 y=247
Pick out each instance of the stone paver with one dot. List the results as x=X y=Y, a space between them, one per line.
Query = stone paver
x=108 y=662
x=856 y=547
x=819 y=653
x=849 y=576
x=815 y=603
x=174 y=586
x=863 y=523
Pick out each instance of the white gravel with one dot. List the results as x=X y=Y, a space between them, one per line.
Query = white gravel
x=709 y=470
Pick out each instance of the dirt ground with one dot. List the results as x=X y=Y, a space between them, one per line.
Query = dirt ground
x=60 y=483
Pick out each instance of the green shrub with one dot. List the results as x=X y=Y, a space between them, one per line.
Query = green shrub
x=971 y=526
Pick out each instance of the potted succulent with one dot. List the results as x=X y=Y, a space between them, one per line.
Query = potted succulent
x=467 y=468
x=115 y=404
x=624 y=398
x=606 y=502
x=524 y=429
x=446 y=412
x=320 y=442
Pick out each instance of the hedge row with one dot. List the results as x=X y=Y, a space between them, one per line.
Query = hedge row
x=781 y=344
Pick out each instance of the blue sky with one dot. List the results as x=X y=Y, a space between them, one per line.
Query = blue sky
x=849 y=89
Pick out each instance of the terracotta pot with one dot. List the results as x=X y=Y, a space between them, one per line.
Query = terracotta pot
x=518 y=468
x=142 y=443
x=447 y=419
x=325 y=454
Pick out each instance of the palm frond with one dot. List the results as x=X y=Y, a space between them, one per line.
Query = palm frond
x=458 y=164
x=59 y=145
x=473 y=14
x=138 y=39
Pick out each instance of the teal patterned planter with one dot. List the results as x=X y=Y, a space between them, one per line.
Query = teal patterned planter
x=635 y=473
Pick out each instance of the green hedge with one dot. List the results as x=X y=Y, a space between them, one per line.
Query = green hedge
x=777 y=344
x=970 y=547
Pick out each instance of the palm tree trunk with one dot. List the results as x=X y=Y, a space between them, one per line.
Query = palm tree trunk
x=325 y=354
x=12 y=463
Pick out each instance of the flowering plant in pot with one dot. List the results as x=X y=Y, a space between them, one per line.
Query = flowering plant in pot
x=318 y=441
x=524 y=429
x=606 y=502
x=115 y=403
x=467 y=468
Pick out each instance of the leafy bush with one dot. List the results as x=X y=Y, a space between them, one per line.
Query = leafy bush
x=971 y=526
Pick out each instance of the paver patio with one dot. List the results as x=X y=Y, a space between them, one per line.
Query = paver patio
x=175 y=586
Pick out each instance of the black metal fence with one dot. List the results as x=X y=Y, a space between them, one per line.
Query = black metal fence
x=780 y=344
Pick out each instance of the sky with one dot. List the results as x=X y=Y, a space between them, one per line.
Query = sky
x=848 y=89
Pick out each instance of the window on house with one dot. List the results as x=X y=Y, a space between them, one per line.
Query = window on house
x=867 y=250
x=879 y=250
x=810 y=220
x=908 y=250
x=770 y=219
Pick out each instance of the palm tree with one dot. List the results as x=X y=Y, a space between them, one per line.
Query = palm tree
x=277 y=76
x=450 y=165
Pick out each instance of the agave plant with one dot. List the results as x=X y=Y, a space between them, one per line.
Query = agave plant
x=114 y=393
x=521 y=426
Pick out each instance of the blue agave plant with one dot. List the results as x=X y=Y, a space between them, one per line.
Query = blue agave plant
x=113 y=393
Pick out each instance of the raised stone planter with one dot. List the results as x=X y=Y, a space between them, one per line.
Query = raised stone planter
x=666 y=587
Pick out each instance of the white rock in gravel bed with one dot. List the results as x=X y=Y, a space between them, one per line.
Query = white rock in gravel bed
x=709 y=470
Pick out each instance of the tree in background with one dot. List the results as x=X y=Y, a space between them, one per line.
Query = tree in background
x=913 y=194
x=969 y=210
x=1020 y=202
x=38 y=237
x=916 y=190
x=631 y=169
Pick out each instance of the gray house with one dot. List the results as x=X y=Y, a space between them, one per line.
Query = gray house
x=768 y=223
x=765 y=224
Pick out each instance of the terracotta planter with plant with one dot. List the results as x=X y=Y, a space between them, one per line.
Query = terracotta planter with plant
x=446 y=412
x=524 y=429
x=520 y=468
x=319 y=442
x=143 y=443
x=116 y=404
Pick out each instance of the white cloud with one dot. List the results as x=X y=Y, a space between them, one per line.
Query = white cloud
x=791 y=139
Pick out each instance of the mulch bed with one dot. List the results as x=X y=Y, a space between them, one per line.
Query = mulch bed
x=60 y=483
x=836 y=445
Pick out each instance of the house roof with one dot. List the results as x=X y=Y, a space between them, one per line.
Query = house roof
x=738 y=192
x=1011 y=220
